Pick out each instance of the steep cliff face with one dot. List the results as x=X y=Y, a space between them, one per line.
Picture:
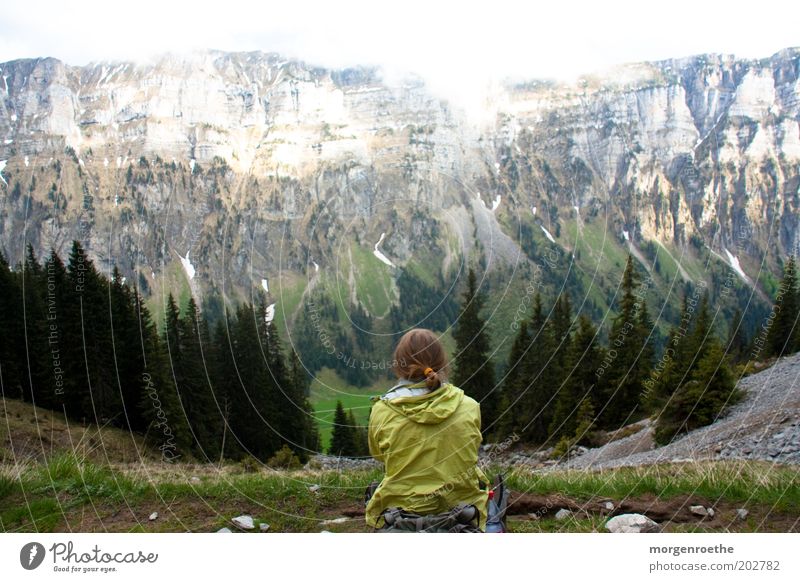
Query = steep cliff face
x=220 y=154
x=705 y=146
x=228 y=169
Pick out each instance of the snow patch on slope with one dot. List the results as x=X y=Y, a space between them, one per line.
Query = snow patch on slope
x=734 y=262
x=187 y=266
x=270 y=313
x=379 y=254
x=495 y=203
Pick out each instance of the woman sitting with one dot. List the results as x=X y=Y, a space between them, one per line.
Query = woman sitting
x=426 y=432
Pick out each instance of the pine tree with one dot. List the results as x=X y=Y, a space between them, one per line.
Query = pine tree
x=783 y=333
x=360 y=438
x=562 y=329
x=540 y=375
x=58 y=332
x=474 y=371
x=513 y=385
x=96 y=394
x=584 y=358
x=678 y=358
x=702 y=333
x=128 y=354
x=644 y=331
x=342 y=438
x=159 y=406
x=585 y=421
x=291 y=407
x=11 y=369
x=631 y=363
x=195 y=388
x=702 y=399
x=254 y=395
x=737 y=339
x=226 y=382
x=246 y=423
x=35 y=340
x=309 y=439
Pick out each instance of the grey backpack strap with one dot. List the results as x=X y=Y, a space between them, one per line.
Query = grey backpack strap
x=461 y=519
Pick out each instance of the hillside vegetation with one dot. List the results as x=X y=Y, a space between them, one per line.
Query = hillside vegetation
x=103 y=480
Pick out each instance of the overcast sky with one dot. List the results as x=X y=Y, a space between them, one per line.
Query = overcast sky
x=445 y=42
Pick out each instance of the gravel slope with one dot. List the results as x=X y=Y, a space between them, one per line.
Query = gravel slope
x=765 y=425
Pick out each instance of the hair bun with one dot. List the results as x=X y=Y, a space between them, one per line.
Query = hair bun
x=432 y=379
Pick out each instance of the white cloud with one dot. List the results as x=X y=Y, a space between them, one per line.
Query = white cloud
x=457 y=46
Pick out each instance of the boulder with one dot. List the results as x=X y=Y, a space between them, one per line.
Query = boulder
x=244 y=522
x=563 y=514
x=741 y=513
x=632 y=523
x=698 y=510
x=263 y=526
x=337 y=520
x=153 y=516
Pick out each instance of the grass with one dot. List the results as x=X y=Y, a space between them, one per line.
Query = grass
x=68 y=493
x=373 y=281
x=171 y=279
x=668 y=266
x=327 y=388
x=593 y=523
x=288 y=292
x=598 y=245
x=60 y=494
x=691 y=263
x=734 y=481
x=36 y=432
x=599 y=258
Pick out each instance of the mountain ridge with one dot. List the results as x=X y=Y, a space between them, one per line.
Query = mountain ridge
x=238 y=167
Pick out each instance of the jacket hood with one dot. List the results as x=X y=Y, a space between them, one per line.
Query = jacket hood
x=431 y=408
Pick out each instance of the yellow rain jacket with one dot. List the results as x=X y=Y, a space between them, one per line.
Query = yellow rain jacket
x=429 y=447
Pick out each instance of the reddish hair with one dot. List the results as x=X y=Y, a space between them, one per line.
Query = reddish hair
x=420 y=355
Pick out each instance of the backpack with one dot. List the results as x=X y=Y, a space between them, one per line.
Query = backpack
x=462 y=518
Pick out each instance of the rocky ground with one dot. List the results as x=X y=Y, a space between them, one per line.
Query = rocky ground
x=764 y=426
x=332 y=463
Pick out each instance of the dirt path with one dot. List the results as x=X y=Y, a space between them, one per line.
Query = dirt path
x=526 y=513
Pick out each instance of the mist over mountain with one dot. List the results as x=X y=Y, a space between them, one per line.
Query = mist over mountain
x=355 y=205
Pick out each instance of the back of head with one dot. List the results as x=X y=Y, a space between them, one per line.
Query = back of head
x=419 y=355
